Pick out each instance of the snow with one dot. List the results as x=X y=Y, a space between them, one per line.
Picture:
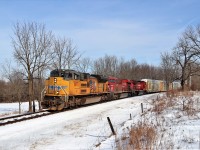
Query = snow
x=88 y=128
x=13 y=108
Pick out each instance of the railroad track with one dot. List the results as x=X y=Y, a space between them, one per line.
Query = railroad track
x=23 y=117
x=28 y=116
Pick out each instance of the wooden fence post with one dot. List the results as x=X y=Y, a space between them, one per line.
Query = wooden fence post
x=111 y=126
x=142 y=107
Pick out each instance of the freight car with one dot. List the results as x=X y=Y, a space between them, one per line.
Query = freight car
x=70 y=88
x=151 y=86
x=174 y=85
x=154 y=85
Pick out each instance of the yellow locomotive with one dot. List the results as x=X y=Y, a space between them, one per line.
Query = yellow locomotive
x=69 y=88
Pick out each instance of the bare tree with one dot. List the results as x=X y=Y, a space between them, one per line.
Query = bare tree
x=123 y=69
x=60 y=50
x=169 y=67
x=146 y=71
x=3 y=89
x=66 y=55
x=107 y=65
x=187 y=53
x=133 y=64
x=126 y=69
x=6 y=69
x=32 y=50
x=15 y=88
x=84 y=64
x=113 y=66
x=18 y=87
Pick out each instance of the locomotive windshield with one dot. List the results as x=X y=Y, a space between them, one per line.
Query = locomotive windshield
x=54 y=73
x=66 y=74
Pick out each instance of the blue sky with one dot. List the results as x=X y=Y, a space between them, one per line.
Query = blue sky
x=139 y=29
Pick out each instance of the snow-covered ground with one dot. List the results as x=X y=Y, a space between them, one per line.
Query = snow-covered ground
x=13 y=108
x=88 y=128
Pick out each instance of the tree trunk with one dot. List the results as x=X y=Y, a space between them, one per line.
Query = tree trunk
x=39 y=104
x=182 y=85
x=19 y=107
x=30 y=86
x=19 y=101
x=167 y=85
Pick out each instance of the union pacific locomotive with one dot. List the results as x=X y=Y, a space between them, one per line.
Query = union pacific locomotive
x=70 y=88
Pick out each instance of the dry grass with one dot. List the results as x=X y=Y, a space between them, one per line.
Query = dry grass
x=172 y=93
x=139 y=136
x=189 y=107
x=176 y=93
x=142 y=136
x=188 y=104
x=150 y=135
x=159 y=106
x=173 y=99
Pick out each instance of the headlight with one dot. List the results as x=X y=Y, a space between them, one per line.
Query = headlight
x=57 y=92
x=55 y=80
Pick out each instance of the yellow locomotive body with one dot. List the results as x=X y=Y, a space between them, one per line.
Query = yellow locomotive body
x=65 y=88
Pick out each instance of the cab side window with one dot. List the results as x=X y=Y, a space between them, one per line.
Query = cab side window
x=76 y=76
x=68 y=75
x=62 y=74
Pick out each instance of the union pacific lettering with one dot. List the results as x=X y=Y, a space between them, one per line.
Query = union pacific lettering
x=57 y=88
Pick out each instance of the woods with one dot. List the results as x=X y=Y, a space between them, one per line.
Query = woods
x=36 y=51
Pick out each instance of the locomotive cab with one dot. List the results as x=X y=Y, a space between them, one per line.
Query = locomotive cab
x=68 y=74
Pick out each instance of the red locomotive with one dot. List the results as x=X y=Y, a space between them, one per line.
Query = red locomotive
x=121 y=88
x=140 y=87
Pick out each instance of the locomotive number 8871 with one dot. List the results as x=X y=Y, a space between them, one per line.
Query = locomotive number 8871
x=69 y=88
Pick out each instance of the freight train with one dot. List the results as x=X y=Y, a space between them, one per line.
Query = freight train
x=69 y=88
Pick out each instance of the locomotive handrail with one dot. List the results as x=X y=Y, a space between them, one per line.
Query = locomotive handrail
x=66 y=96
x=42 y=93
